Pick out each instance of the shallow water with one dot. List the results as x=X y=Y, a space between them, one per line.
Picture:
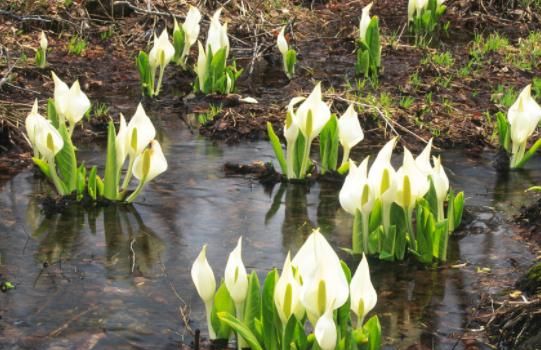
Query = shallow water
x=117 y=277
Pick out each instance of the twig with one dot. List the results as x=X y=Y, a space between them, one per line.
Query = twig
x=60 y=329
x=133 y=255
x=8 y=71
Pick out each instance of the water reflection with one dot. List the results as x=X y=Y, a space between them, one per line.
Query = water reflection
x=130 y=247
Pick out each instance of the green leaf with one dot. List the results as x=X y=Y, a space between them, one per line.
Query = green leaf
x=432 y=198
x=277 y=147
x=458 y=204
x=179 y=38
x=373 y=42
x=217 y=69
x=299 y=149
x=100 y=186
x=363 y=62
x=503 y=130
x=222 y=303
x=81 y=181
x=291 y=61
x=92 y=191
x=111 y=181
x=252 y=306
x=43 y=166
x=269 y=317
x=66 y=161
x=375 y=216
x=51 y=113
x=372 y=327
x=241 y=329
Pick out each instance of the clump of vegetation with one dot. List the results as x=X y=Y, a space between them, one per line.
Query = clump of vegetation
x=77 y=45
x=424 y=18
x=368 y=46
x=41 y=52
x=385 y=201
x=160 y=55
x=289 y=56
x=314 y=287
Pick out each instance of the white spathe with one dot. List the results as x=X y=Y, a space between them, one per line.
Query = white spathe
x=61 y=91
x=33 y=124
x=156 y=165
x=76 y=105
x=203 y=277
x=217 y=36
x=162 y=51
x=281 y=42
x=350 y=132
x=319 y=112
x=287 y=294
x=382 y=176
x=43 y=41
x=362 y=292
x=353 y=192
x=120 y=142
x=236 y=278
x=410 y=175
x=140 y=132
x=415 y=7
x=324 y=282
x=48 y=141
x=325 y=331
x=524 y=116
x=423 y=159
x=365 y=21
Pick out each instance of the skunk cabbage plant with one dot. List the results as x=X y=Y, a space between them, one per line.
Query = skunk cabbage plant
x=368 y=46
x=289 y=56
x=41 y=52
x=186 y=35
x=314 y=286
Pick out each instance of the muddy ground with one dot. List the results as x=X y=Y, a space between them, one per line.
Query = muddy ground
x=421 y=92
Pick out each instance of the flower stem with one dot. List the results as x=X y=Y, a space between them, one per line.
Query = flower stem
x=56 y=180
x=345 y=157
x=162 y=70
x=135 y=193
x=127 y=176
x=356 y=242
x=239 y=308
x=305 y=159
x=208 y=309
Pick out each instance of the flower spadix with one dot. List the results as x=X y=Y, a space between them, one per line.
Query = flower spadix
x=325 y=331
x=287 y=294
x=203 y=277
x=312 y=114
x=139 y=132
x=324 y=282
x=412 y=184
x=236 y=278
x=362 y=292
x=365 y=21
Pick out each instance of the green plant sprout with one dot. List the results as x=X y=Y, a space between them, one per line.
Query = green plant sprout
x=368 y=46
x=522 y=120
x=289 y=56
x=77 y=45
x=185 y=36
x=41 y=52
x=160 y=55
x=424 y=17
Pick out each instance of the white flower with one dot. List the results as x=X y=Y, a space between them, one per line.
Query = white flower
x=43 y=41
x=33 y=124
x=524 y=116
x=350 y=132
x=325 y=331
x=281 y=42
x=236 y=278
x=362 y=292
x=76 y=105
x=287 y=294
x=140 y=132
x=412 y=184
x=318 y=110
x=150 y=163
x=382 y=174
x=203 y=277
x=162 y=51
x=191 y=27
x=324 y=283
x=423 y=159
x=61 y=91
x=48 y=141
x=365 y=21
x=356 y=193
x=415 y=7
x=217 y=36
x=120 y=142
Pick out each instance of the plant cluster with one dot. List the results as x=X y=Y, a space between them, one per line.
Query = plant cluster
x=522 y=120
x=314 y=288
x=311 y=119
x=289 y=56
x=385 y=201
x=424 y=18
x=56 y=156
x=41 y=52
x=368 y=46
